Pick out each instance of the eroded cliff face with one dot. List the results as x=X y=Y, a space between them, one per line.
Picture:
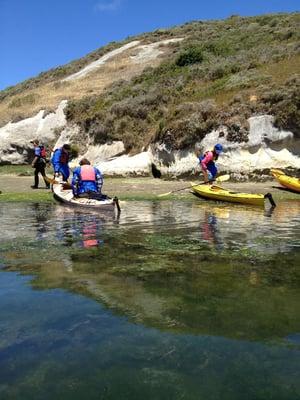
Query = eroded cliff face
x=265 y=147
x=15 y=146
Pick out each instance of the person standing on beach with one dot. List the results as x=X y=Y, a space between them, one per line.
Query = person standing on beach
x=39 y=164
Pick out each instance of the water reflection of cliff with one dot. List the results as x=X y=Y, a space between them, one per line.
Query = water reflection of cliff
x=191 y=269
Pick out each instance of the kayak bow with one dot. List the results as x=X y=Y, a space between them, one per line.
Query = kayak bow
x=286 y=181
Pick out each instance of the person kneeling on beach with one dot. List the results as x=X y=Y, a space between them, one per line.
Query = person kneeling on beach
x=207 y=162
x=87 y=181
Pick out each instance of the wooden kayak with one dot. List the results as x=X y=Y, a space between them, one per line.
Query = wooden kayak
x=214 y=192
x=286 y=181
x=63 y=193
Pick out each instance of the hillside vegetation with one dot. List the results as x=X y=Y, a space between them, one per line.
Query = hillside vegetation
x=221 y=73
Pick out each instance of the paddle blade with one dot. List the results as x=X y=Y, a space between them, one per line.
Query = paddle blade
x=164 y=194
x=51 y=180
x=223 y=178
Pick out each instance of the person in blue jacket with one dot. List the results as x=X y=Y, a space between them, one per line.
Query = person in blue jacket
x=87 y=180
x=60 y=161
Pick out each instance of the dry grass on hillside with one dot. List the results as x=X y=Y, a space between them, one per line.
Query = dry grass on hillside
x=48 y=96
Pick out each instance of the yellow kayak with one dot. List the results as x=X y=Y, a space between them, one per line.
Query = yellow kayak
x=218 y=193
x=287 y=181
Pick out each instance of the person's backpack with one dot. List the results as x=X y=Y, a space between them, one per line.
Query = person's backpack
x=43 y=151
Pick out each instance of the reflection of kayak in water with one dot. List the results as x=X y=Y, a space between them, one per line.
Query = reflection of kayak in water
x=287 y=181
x=63 y=193
x=214 y=192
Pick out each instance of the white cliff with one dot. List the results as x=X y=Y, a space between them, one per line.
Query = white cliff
x=267 y=147
x=15 y=137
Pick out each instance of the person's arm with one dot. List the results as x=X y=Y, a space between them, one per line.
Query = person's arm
x=205 y=175
x=37 y=154
x=34 y=161
x=56 y=160
x=99 y=180
x=75 y=181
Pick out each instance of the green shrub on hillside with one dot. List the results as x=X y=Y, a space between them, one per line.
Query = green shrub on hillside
x=247 y=79
x=284 y=103
x=219 y=48
x=193 y=55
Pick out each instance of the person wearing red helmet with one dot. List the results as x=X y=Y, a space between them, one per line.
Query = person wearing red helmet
x=207 y=162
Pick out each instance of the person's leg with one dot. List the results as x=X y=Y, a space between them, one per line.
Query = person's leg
x=97 y=196
x=42 y=170
x=212 y=171
x=36 y=178
x=64 y=170
x=83 y=195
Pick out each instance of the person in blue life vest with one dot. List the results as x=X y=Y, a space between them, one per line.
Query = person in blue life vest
x=207 y=162
x=60 y=161
x=39 y=163
x=87 y=181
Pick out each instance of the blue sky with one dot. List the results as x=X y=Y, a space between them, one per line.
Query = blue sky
x=36 y=35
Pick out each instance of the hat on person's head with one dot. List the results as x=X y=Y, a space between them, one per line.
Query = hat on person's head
x=84 y=161
x=36 y=141
x=218 y=148
x=66 y=146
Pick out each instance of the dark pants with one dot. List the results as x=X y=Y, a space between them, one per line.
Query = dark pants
x=92 y=195
x=40 y=169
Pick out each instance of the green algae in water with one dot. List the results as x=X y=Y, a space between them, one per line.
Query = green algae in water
x=28 y=197
x=179 y=307
x=174 y=280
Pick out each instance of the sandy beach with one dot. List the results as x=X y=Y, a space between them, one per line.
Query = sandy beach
x=145 y=187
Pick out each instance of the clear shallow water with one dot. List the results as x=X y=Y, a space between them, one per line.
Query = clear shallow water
x=171 y=300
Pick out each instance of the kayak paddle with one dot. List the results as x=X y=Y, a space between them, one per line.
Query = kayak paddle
x=51 y=180
x=222 y=178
